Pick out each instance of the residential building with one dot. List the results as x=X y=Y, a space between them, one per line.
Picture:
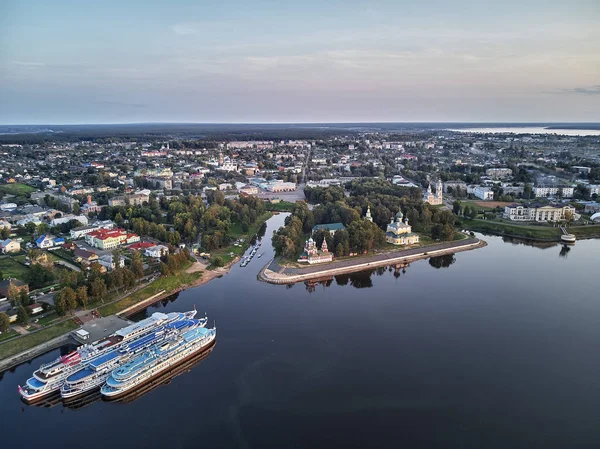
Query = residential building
x=67 y=218
x=249 y=190
x=35 y=308
x=594 y=189
x=545 y=191
x=109 y=239
x=84 y=257
x=45 y=241
x=136 y=199
x=77 y=233
x=10 y=246
x=107 y=261
x=454 y=185
x=483 y=193
x=12 y=284
x=90 y=206
x=156 y=251
x=498 y=173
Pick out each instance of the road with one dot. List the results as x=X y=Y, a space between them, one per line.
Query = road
x=64 y=263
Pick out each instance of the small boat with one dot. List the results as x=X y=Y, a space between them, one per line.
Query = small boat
x=568 y=238
x=260 y=255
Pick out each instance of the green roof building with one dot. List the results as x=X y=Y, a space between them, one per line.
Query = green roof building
x=331 y=227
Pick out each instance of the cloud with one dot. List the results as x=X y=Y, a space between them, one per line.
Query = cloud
x=28 y=63
x=184 y=29
x=118 y=103
x=590 y=90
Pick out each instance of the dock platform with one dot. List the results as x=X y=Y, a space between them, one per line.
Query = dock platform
x=100 y=327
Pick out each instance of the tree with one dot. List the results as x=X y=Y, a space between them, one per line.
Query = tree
x=60 y=304
x=69 y=297
x=568 y=216
x=38 y=276
x=456 y=207
x=137 y=266
x=98 y=288
x=82 y=296
x=22 y=315
x=4 y=322
x=442 y=232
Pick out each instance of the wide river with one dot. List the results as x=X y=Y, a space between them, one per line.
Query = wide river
x=529 y=130
x=496 y=348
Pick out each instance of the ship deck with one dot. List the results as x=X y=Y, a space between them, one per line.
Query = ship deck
x=79 y=375
x=103 y=327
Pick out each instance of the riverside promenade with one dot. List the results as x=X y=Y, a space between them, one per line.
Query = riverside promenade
x=276 y=274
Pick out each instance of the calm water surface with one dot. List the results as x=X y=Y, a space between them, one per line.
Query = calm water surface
x=493 y=348
x=530 y=130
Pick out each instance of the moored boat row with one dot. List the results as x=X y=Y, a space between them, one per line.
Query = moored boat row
x=88 y=367
x=246 y=260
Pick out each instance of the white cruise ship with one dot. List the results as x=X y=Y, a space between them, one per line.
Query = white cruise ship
x=156 y=360
x=50 y=376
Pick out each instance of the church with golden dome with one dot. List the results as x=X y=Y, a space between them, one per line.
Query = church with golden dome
x=399 y=232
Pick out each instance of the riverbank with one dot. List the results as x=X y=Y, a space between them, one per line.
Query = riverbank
x=530 y=232
x=202 y=276
x=275 y=274
x=20 y=349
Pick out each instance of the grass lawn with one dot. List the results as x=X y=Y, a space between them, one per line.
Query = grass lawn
x=282 y=206
x=11 y=268
x=168 y=284
x=6 y=335
x=29 y=341
x=236 y=228
x=478 y=204
x=17 y=189
x=585 y=231
x=494 y=227
x=236 y=233
x=48 y=318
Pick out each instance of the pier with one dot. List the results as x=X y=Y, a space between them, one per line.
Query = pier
x=273 y=273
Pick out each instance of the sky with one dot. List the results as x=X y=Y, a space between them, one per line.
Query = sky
x=259 y=61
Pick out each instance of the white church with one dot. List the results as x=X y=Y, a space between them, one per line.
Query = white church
x=432 y=199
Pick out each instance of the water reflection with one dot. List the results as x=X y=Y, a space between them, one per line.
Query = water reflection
x=526 y=242
x=364 y=279
x=564 y=251
x=442 y=261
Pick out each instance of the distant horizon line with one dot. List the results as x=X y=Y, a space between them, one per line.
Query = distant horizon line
x=310 y=123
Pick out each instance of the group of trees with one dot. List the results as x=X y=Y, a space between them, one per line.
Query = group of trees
x=359 y=235
x=170 y=263
x=385 y=201
x=79 y=287
x=186 y=218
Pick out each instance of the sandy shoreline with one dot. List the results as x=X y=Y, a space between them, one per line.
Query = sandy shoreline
x=207 y=276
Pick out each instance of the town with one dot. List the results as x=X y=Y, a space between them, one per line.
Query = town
x=93 y=224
